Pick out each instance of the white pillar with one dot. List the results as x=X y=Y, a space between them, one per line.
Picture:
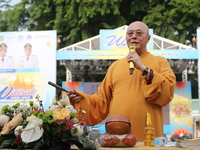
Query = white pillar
x=184 y=75
x=68 y=75
x=198 y=47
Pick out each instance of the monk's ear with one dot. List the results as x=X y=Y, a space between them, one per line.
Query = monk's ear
x=149 y=37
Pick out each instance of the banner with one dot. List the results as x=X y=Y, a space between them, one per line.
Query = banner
x=86 y=87
x=27 y=63
x=181 y=120
x=177 y=114
x=118 y=54
x=116 y=39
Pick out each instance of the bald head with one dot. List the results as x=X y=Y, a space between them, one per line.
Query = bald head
x=138 y=25
x=138 y=33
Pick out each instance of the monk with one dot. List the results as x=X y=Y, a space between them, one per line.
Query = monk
x=147 y=90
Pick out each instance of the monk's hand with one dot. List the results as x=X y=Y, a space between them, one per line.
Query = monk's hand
x=73 y=97
x=135 y=58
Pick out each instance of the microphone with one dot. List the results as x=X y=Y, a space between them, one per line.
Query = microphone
x=131 y=64
x=57 y=86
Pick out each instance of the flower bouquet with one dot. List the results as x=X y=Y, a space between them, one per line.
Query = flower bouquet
x=29 y=126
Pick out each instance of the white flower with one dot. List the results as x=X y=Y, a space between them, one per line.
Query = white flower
x=54 y=102
x=24 y=108
x=79 y=132
x=60 y=105
x=17 y=131
x=83 y=112
x=35 y=106
x=3 y=119
x=33 y=131
x=71 y=108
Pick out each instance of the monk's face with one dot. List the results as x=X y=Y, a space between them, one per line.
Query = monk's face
x=137 y=33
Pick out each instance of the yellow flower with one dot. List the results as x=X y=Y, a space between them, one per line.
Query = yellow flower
x=12 y=124
x=32 y=117
x=61 y=113
x=16 y=120
x=6 y=129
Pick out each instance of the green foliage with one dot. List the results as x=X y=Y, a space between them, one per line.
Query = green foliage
x=74 y=19
x=7 y=141
x=174 y=19
x=77 y=20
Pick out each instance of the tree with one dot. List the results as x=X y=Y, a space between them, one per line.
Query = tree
x=74 y=19
x=77 y=20
x=174 y=19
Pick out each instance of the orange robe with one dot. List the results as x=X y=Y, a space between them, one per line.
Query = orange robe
x=129 y=95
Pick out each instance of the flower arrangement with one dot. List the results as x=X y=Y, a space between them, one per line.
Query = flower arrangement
x=29 y=126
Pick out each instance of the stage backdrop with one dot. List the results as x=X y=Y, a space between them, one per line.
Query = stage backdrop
x=28 y=77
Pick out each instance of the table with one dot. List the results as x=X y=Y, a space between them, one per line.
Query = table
x=141 y=147
x=136 y=147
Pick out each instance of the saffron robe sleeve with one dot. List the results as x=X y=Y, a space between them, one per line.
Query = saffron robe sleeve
x=129 y=95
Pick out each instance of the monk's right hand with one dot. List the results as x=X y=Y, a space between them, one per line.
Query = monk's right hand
x=73 y=97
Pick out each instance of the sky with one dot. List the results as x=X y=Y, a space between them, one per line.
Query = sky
x=13 y=2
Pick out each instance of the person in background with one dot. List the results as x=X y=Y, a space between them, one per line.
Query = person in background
x=28 y=60
x=147 y=90
x=6 y=62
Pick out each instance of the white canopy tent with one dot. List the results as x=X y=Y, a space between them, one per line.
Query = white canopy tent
x=159 y=43
x=100 y=66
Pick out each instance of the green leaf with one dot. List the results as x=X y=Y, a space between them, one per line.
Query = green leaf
x=7 y=143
